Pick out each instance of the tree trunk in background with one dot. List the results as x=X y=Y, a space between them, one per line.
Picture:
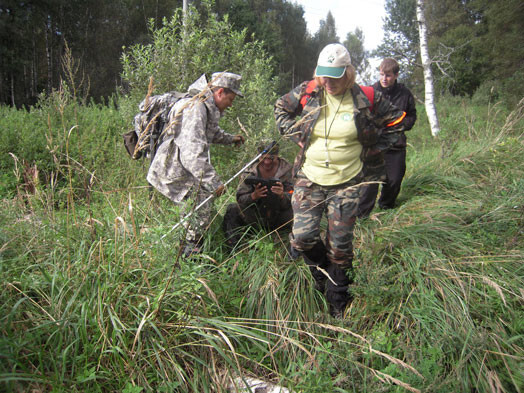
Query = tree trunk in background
x=431 y=109
x=13 y=103
x=48 y=55
x=185 y=6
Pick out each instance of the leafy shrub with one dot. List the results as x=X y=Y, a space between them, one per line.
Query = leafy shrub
x=178 y=55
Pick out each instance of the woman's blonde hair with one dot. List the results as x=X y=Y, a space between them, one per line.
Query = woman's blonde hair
x=351 y=76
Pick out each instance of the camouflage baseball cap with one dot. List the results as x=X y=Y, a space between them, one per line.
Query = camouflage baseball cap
x=264 y=143
x=227 y=80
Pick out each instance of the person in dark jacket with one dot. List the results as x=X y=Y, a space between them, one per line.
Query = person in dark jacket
x=395 y=156
x=259 y=205
x=341 y=135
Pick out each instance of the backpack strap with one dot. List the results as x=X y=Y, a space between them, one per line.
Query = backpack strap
x=370 y=95
x=312 y=85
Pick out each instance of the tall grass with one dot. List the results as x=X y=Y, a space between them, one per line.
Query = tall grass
x=94 y=300
x=447 y=293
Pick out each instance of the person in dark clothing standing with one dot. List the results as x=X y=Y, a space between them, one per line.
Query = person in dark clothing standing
x=395 y=156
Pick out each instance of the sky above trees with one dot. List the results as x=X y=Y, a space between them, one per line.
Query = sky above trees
x=471 y=41
x=349 y=15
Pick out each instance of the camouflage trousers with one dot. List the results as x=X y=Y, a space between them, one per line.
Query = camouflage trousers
x=198 y=223
x=339 y=203
x=333 y=257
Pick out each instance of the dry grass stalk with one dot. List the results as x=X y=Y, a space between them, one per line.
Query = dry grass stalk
x=396 y=361
x=511 y=121
x=496 y=287
x=242 y=127
x=388 y=378
x=302 y=121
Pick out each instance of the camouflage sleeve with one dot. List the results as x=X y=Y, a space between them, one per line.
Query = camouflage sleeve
x=222 y=137
x=194 y=147
x=287 y=108
x=386 y=115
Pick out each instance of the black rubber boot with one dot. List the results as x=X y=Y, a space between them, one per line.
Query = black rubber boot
x=293 y=254
x=317 y=257
x=337 y=293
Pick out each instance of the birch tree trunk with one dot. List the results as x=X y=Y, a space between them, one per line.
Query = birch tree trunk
x=184 y=11
x=429 y=100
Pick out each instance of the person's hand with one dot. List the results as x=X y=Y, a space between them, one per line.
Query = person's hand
x=278 y=189
x=238 y=140
x=220 y=190
x=260 y=192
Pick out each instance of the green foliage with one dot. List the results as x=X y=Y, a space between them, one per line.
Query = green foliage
x=443 y=283
x=178 y=55
x=280 y=27
x=52 y=137
x=471 y=43
x=35 y=36
x=326 y=34
x=401 y=36
x=359 y=56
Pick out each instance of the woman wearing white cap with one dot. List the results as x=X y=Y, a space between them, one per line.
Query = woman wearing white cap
x=342 y=135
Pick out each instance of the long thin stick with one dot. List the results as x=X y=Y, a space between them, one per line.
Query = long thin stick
x=267 y=149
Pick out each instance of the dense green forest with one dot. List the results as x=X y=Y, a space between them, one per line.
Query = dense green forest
x=96 y=299
x=473 y=42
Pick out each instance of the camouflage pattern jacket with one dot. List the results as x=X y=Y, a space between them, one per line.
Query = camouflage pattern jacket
x=376 y=131
x=283 y=173
x=182 y=160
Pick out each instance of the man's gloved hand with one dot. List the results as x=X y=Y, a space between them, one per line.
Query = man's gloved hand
x=238 y=140
x=220 y=190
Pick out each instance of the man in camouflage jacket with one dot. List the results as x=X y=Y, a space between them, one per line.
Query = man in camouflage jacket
x=181 y=169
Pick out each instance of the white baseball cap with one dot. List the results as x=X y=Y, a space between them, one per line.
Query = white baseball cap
x=332 y=61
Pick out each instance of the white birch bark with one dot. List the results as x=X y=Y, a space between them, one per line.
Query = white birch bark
x=429 y=99
x=184 y=9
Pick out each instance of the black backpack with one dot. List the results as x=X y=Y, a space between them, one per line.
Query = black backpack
x=149 y=124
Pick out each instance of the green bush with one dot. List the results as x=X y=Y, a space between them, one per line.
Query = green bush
x=62 y=139
x=178 y=55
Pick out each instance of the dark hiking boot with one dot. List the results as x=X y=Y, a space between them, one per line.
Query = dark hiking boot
x=317 y=255
x=316 y=258
x=337 y=312
x=320 y=284
x=293 y=253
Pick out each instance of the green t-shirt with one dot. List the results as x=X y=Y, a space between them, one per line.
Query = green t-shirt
x=333 y=156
